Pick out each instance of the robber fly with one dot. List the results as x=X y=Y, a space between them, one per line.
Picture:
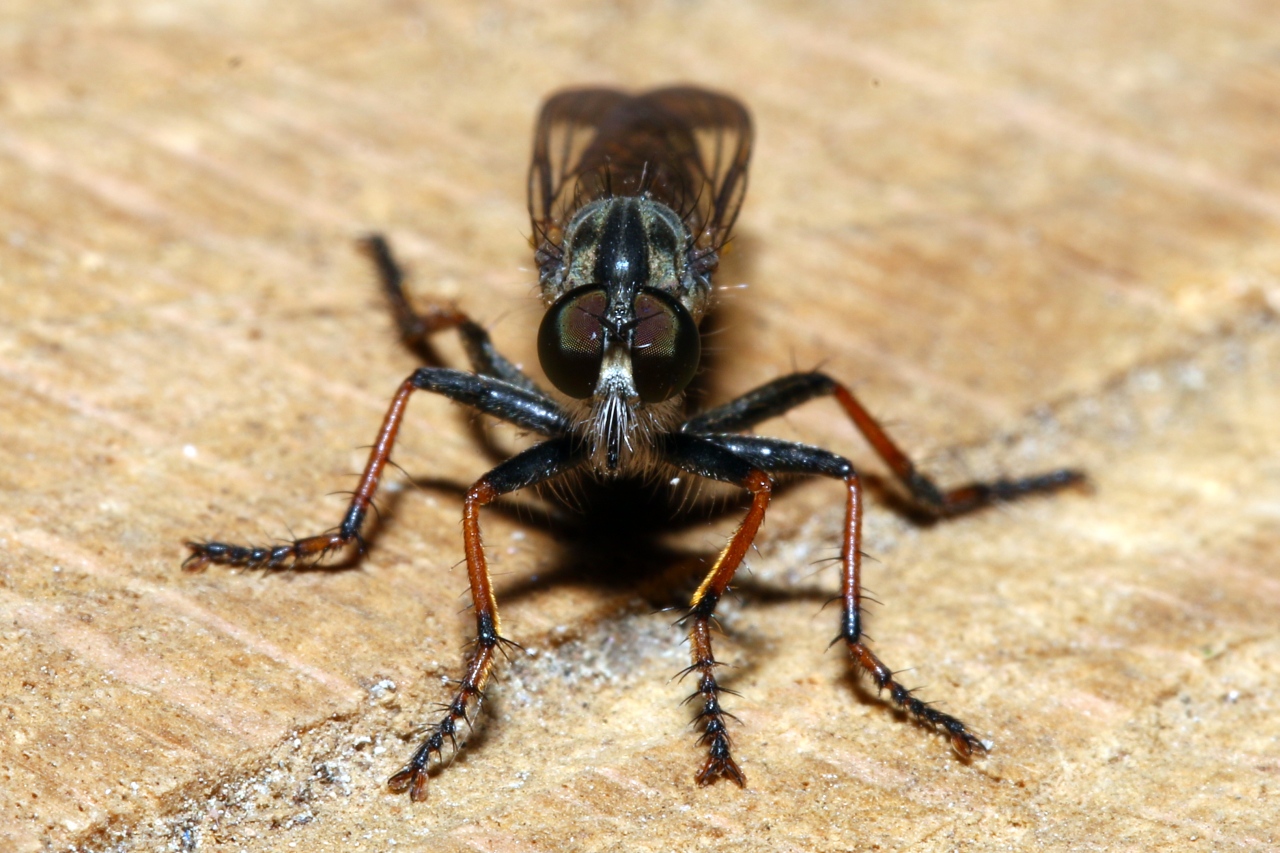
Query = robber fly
x=632 y=198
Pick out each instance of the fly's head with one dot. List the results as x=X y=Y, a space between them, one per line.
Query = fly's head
x=621 y=330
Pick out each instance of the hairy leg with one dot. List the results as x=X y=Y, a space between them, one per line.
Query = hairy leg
x=488 y=395
x=707 y=459
x=787 y=392
x=417 y=327
x=785 y=457
x=538 y=463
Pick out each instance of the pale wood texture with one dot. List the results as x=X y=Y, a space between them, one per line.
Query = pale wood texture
x=1032 y=234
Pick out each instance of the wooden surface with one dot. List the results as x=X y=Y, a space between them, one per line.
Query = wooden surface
x=1032 y=234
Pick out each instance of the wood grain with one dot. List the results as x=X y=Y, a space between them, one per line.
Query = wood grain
x=1032 y=234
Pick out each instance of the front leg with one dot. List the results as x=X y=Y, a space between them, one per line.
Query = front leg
x=787 y=457
x=786 y=393
x=538 y=463
x=491 y=396
x=705 y=458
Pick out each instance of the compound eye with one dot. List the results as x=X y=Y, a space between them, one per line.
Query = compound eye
x=665 y=349
x=571 y=341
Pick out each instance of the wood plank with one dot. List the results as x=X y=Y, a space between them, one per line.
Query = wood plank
x=1031 y=235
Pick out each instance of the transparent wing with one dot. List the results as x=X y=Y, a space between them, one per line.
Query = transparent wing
x=685 y=147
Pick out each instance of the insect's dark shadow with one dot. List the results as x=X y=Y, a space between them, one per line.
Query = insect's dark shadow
x=608 y=536
x=613 y=540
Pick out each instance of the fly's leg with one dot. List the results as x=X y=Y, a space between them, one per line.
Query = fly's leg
x=785 y=457
x=706 y=459
x=715 y=733
x=538 y=463
x=962 y=740
x=417 y=327
x=788 y=392
x=491 y=396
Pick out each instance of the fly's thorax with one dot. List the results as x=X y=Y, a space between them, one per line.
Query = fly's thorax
x=622 y=244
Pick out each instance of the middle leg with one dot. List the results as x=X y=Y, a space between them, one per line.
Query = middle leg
x=963 y=741
x=787 y=392
x=485 y=394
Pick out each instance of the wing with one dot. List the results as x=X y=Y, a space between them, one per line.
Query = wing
x=685 y=147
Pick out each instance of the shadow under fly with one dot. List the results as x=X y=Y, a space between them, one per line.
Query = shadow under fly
x=632 y=198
